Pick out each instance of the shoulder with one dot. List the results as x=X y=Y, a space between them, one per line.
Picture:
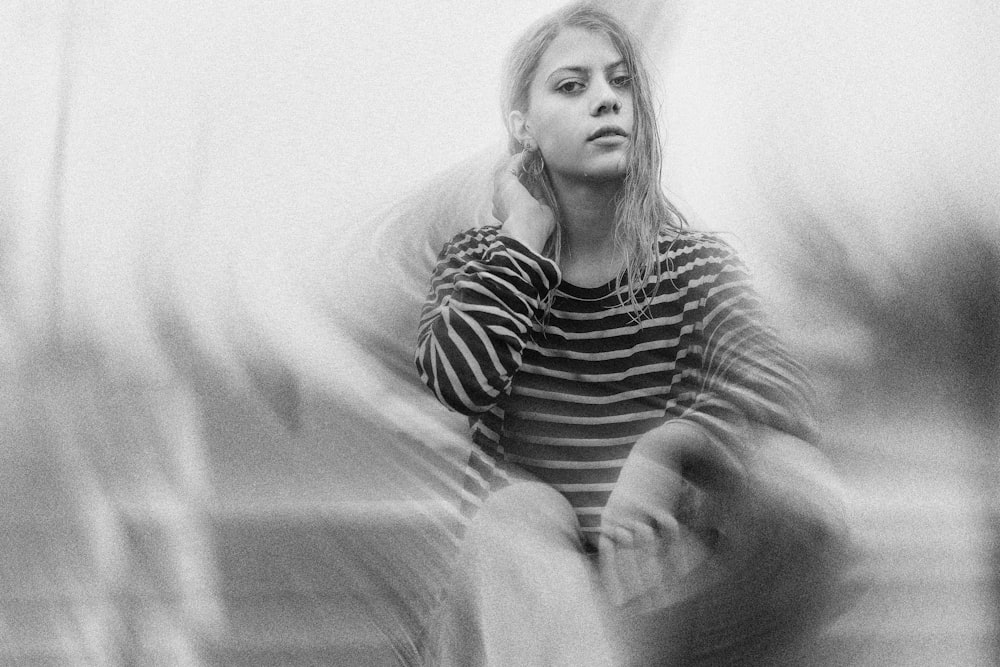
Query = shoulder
x=696 y=255
x=690 y=244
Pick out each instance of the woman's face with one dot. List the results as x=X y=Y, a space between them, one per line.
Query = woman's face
x=581 y=109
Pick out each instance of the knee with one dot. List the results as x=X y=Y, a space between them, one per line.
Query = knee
x=524 y=512
x=535 y=503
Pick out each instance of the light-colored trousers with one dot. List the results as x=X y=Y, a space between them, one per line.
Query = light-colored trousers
x=525 y=592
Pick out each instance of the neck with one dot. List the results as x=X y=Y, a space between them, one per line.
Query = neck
x=588 y=216
x=588 y=255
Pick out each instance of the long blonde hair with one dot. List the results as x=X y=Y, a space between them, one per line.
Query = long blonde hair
x=642 y=209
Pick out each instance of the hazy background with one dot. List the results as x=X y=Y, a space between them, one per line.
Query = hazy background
x=215 y=224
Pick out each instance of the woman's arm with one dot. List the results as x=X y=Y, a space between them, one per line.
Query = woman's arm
x=767 y=505
x=485 y=292
x=746 y=374
x=488 y=287
x=746 y=379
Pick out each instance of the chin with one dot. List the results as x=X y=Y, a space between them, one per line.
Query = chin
x=612 y=169
x=604 y=175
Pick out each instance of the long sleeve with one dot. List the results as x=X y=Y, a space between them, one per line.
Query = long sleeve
x=745 y=373
x=485 y=293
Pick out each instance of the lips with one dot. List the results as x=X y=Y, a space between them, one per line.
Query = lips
x=608 y=131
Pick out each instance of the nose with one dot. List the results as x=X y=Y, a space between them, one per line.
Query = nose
x=606 y=99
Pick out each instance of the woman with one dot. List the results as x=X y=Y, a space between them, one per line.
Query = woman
x=615 y=367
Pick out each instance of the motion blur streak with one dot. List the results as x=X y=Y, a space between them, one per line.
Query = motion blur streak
x=216 y=224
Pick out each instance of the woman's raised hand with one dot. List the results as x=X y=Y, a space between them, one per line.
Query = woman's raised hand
x=523 y=217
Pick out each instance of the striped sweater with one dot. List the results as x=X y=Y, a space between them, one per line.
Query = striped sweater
x=566 y=394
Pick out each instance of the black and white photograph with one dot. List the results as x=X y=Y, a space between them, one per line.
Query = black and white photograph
x=499 y=333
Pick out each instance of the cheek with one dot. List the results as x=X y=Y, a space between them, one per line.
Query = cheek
x=628 y=111
x=550 y=127
x=553 y=137
x=557 y=150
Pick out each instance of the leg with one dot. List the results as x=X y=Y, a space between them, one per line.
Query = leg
x=524 y=592
x=756 y=578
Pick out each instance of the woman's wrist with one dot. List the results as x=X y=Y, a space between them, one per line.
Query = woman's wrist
x=531 y=230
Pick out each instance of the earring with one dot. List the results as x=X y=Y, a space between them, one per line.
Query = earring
x=532 y=162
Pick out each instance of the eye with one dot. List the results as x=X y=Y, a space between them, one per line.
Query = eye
x=621 y=81
x=571 y=86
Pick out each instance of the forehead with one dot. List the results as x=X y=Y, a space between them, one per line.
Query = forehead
x=577 y=47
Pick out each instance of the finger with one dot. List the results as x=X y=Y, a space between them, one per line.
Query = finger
x=506 y=172
x=515 y=164
x=604 y=545
x=665 y=525
x=503 y=181
x=618 y=565
x=621 y=536
x=644 y=533
x=635 y=530
x=645 y=564
x=506 y=183
x=630 y=573
x=633 y=576
x=608 y=568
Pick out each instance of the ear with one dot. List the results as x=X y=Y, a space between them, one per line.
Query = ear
x=519 y=126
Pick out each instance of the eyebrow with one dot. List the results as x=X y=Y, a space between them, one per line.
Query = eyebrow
x=575 y=69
